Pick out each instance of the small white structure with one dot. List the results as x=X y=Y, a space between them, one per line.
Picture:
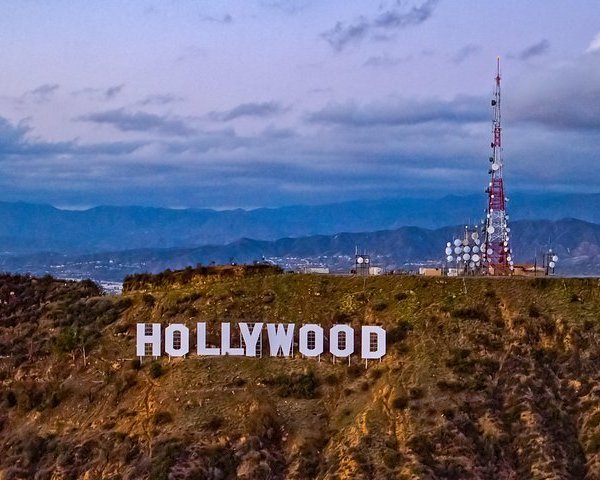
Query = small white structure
x=375 y=271
x=318 y=270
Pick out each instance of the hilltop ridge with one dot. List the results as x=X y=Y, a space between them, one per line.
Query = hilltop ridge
x=484 y=378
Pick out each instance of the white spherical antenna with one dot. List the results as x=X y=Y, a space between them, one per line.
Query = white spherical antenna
x=495 y=167
x=509 y=258
x=471 y=264
x=552 y=264
x=457 y=242
x=555 y=258
x=449 y=258
x=491 y=229
x=467 y=249
x=475 y=249
x=475 y=235
x=466 y=257
x=367 y=260
x=360 y=260
x=476 y=257
x=489 y=251
x=448 y=250
x=507 y=229
x=448 y=244
x=457 y=250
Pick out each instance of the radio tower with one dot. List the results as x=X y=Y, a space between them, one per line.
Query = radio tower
x=496 y=252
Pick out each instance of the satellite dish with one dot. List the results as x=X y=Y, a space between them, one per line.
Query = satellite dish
x=449 y=258
x=448 y=244
x=466 y=257
x=367 y=260
x=475 y=257
x=474 y=235
x=360 y=260
x=552 y=264
x=555 y=258
x=457 y=250
x=477 y=242
x=457 y=242
x=465 y=242
x=489 y=251
x=467 y=249
x=505 y=249
x=472 y=264
x=509 y=258
x=475 y=249
x=491 y=229
x=507 y=229
x=495 y=167
x=448 y=250
x=478 y=264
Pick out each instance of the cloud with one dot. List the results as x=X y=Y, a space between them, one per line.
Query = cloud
x=386 y=61
x=535 y=50
x=262 y=110
x=401 y=111
x=563 y=96
x=389 y=21
x=224 y=20
x=42 y=94
x=466 y=52
x=140 y=122
x=594 y=45
x=100 y=94
x=290 y=7
x=159 y=99
x=15 y=141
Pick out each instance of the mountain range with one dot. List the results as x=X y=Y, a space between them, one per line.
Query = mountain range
x=29 y=228
x=576 y=242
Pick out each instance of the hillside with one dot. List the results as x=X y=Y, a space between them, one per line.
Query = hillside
x=576 y=242
x=484 y=378
x=30 y=228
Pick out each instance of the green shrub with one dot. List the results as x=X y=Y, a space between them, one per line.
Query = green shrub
x=155 y=369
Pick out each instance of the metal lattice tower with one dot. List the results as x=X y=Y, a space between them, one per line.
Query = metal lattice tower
x=496 y=252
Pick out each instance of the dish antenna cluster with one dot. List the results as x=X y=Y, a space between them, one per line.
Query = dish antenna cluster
x=496 y=251
x=550 y=259
x=465 y=254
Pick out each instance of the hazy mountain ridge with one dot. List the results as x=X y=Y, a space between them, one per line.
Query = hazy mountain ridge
x=576 y=242
x=29 y=228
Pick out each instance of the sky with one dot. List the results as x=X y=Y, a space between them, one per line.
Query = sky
x=251 y=103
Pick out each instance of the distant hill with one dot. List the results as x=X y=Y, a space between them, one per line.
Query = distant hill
x=576 y=242
x=29 y=228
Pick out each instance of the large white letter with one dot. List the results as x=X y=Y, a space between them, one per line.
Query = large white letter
x=250 y=339
x=280 y=338
x=184 y=335
x=334 y=343
x=369 y=333
x=144 y=338
x=305 y=349
x=202 y=348
x=226 y=348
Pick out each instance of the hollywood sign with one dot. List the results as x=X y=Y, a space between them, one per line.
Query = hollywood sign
x=310 y=340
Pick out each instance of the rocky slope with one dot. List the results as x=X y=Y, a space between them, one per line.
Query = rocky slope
x=484 y=379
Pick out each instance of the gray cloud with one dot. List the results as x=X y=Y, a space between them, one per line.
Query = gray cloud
x=534 y=50
x=159 y=99
x=140 y=122
x=262 y=110
x=225 y=19
x=42 y=94
x=100 y=94
x=466 y=52
x=461 y=109
x=386 y=61
x=563 y=96
x=15 y=141
x=291 y=7
x=389 y=21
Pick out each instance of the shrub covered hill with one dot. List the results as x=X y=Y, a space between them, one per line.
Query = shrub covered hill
x=484 y=379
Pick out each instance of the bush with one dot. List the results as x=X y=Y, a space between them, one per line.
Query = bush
x=155 y=369
x=534 y=311
x=214 y=423
x=400 y=402
x=162 y=418
x=297 y=385
x=148 y=299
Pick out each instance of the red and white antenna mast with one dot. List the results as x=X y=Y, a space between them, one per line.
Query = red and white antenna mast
x=496 y=252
